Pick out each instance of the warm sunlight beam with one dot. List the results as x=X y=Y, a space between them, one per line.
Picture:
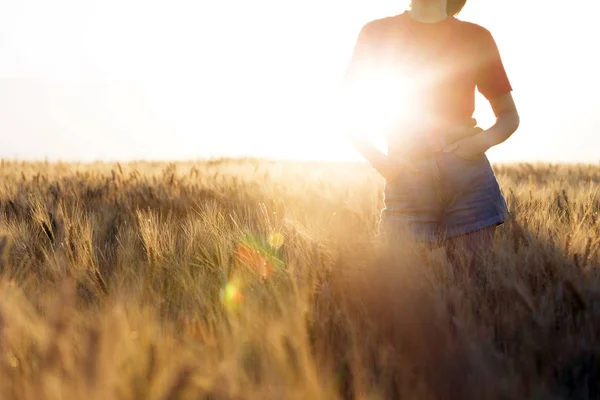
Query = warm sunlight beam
x=189 y=79
x=379 y=105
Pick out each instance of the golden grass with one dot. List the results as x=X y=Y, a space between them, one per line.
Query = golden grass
x=244 y=279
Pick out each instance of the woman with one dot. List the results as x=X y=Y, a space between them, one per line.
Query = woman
x=417 y=72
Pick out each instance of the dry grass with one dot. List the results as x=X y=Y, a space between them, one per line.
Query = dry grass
x=242 y=279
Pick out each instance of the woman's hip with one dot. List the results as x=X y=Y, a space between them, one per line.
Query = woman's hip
x=448 y=194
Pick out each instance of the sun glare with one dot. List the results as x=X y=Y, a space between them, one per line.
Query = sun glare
x=230 y=79
x=375 y=108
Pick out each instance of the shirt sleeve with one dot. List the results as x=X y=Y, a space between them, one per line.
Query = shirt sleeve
x=491 y=78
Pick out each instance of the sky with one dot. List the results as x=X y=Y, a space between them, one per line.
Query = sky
x=130 y=79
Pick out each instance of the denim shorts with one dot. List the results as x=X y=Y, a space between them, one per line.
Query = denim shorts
x=449 y=196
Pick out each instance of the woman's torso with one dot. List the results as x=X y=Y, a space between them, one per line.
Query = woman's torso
x=429 y=73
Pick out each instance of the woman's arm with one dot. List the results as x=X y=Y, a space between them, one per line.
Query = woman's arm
x=358 y=71
x=374 y=156
x=507 y=119
x=361 y=68
x=507 y=122
x=381 y=162
x=492 y=81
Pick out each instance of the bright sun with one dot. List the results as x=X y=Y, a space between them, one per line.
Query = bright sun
x=223 y=79
x=379 y=105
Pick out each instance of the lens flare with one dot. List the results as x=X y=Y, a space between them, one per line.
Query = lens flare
x=248 y=256
x=276 y=240
x=259 y=255
x=232 y=296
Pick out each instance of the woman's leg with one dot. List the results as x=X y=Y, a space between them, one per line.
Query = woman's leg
x=413 y=207
x=468 y=253
x=475 y=205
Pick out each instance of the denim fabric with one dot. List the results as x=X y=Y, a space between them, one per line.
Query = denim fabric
x=449 y=196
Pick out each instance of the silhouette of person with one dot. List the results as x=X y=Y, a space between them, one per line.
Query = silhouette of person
x=414 y=76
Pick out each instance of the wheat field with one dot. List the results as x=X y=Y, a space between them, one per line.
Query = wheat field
x=248 y=279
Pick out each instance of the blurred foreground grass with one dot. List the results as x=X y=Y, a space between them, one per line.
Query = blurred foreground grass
x=244 y=279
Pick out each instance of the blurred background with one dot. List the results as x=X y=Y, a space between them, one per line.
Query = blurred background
x=84 y=80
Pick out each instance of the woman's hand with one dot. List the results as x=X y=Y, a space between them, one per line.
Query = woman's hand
x=507 y=122
x=388 y=167
x=470 y=148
